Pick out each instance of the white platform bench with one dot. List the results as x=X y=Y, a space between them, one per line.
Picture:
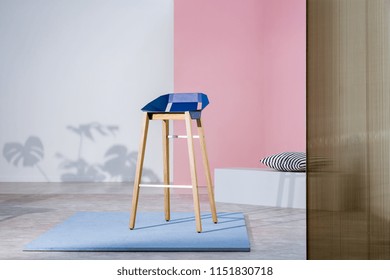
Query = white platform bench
x=260 y=187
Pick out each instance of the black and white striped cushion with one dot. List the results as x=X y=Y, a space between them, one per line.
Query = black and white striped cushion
x=288 y=161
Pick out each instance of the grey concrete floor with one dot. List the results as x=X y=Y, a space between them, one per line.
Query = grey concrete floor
x=29 y=209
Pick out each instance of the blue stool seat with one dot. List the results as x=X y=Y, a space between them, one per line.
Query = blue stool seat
x=177 y=103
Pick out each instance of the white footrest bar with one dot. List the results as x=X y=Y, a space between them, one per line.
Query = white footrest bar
x=165 y=186
x=182 y=136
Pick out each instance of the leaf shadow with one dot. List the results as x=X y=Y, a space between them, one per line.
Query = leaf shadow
x=29 y=154
x=79 y=170
x=119 y=163
x=88 y=129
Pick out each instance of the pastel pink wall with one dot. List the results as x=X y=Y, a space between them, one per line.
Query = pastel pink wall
x=249 y=57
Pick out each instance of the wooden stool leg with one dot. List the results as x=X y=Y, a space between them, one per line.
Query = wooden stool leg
x=138 y=172
x=165 y=133
x=207 y=170
x=194 y=180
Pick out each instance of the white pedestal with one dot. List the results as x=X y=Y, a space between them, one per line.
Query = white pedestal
x=260 y=187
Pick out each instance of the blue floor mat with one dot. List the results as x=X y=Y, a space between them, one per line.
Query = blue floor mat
x=108 y=231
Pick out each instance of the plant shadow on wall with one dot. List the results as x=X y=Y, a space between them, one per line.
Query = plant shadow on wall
x=119 y=164
x=29 y=154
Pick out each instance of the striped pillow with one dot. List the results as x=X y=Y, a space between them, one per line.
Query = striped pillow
x=288 y=161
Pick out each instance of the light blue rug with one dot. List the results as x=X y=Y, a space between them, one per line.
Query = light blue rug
x=108 y=231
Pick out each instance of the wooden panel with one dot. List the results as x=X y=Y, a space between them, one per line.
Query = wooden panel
x=348 y=124
x=378 y=105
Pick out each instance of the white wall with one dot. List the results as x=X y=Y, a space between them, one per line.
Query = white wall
x=69 y=63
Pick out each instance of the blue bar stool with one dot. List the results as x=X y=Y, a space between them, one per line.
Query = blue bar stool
x=175 y=106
